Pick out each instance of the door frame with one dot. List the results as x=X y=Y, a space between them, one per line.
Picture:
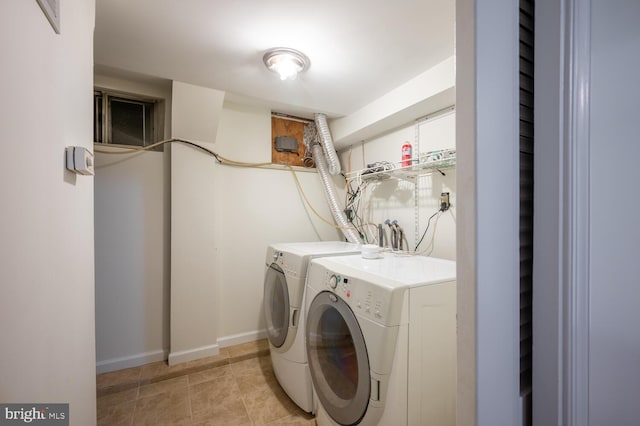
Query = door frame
x=486 y=105
x=561 y=219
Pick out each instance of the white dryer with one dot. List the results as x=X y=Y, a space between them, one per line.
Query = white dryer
x=284 y=288
x=381 y=340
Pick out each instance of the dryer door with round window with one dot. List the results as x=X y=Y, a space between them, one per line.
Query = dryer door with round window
x=276 y=305
x=338 y=359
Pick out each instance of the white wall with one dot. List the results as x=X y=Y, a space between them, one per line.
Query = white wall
x=394 y=199
x=195 y=113
x=424 y=94
x=46 y=232
x=614 y=232
x=132 y=246
x=254 y=208
x=132 y=260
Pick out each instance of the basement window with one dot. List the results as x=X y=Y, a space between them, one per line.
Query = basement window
x=126 y=120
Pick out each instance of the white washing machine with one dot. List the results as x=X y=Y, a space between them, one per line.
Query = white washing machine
x=381 y=340
x=284 y=288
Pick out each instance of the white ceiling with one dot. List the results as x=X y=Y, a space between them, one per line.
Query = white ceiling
x=359 y=49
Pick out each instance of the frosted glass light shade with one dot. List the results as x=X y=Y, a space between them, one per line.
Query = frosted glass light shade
x=286 y=62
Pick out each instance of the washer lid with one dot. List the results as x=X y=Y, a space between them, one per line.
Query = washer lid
x=393 y=271
x=317 y=248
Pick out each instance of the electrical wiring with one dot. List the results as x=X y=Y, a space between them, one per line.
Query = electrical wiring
x=369 y=230
x=359 y=219
x=426 y=229
x=365 y=216
x=304 y=196
x=359 y=201
x=429 y=248
x=352 y=206
x=126 y=149
x=346 y=181
x=358 y=198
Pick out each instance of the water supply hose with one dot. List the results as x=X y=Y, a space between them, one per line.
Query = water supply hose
x=394 y=234
x=400 y=235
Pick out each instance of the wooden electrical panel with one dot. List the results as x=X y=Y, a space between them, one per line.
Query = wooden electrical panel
x=289 y=128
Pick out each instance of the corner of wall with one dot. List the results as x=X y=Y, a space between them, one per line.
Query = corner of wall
x=195 y=112
x=425 y=94
x=195 y=116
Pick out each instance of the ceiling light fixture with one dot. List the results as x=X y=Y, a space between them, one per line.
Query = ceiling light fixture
x=286 y=62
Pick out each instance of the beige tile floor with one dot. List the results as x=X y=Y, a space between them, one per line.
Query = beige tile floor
x=236 y=387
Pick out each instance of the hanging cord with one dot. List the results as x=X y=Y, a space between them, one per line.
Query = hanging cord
x=358 y=204
x=352 y=203
x=426 y=229
x=304 y=196
x=126 y=149
x=353 y=206
x=429 y=249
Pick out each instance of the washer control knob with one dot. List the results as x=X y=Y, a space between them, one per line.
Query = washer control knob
x=333 y=281
x=275 y=256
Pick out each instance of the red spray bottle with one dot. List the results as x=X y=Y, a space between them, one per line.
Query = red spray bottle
x=406 y=154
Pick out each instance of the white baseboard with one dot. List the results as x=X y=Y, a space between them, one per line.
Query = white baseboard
x=193 y=354
x=237 y=339
x=130 y=361
x=181 y=356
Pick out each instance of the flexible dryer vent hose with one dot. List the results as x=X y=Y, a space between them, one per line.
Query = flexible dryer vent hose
x=327 y=144
x=338 y=215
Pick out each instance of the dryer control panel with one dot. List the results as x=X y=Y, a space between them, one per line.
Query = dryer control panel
x=292 y=265
x=285 y=262
x=377 y=303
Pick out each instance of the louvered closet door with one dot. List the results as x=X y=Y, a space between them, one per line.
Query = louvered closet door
x=526 y=197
